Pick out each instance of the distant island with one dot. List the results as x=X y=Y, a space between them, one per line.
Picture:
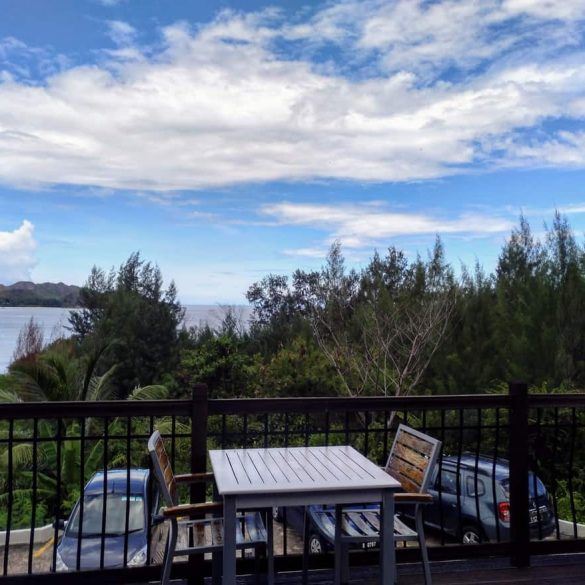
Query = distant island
x=46 y=294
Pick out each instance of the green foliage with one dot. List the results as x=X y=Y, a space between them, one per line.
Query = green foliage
x=220 y=361
x=62 y=372
x=130 y=313
x=300 y=369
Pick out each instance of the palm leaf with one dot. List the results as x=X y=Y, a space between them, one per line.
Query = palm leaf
x=152 y=392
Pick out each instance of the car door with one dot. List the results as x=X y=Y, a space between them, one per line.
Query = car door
x=158 y=528
x=443 y=513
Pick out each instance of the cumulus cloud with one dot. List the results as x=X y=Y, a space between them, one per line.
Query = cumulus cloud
x=121 y=32
x=440 y=87
x=17 y=253
x=366 y=225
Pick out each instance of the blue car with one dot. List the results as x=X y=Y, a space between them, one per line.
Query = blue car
x=476 y=509
x=142 y=501
x=465 y=507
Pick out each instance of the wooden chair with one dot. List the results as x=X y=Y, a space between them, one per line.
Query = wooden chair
x=204 y=534
x=411 y=461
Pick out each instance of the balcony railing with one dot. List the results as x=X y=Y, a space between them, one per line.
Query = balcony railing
x=50 y=450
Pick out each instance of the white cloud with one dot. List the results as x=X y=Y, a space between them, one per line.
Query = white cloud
x=17 y=253
x=365 y=225
x=121 y=32
x=225 y=103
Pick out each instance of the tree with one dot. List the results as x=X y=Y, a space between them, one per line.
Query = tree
x=30 y=341
x=380 y=329
x=60 y=374
x=130 y=312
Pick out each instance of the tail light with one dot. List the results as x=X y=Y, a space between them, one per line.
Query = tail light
x=504 y=511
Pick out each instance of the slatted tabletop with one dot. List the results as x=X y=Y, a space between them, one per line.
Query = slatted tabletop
x=299 y=476
x=296 y=469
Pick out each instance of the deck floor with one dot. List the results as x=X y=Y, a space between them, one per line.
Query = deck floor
x=557 y=570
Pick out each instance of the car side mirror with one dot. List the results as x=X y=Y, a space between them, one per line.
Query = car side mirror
x=60 y=524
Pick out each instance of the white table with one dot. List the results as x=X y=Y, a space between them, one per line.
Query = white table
x=300 y=476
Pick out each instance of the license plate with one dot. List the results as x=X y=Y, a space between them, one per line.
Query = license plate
x=369 y=544
x=534 y=515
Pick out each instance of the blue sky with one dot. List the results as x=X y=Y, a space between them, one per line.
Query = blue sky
x=226 y=140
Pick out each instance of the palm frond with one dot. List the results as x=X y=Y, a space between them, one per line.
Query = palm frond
x=152 y=392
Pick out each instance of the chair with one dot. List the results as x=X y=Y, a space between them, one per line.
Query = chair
x=205 y=534
x=411 y=461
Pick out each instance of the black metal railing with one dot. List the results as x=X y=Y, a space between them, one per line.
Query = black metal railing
x=49 y=451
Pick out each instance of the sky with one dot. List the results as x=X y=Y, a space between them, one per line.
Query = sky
x=227 y=140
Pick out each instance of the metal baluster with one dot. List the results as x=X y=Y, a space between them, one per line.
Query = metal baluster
x=10 y=481
x=386 y=415
x=105 y=496
x=554 y=473
x=245 y=431
x=223 y=431
x=494 y=463
x=128 y=463
x=571 y=461
x=476 y=470
x=440 y=478
x=366 y=432
x=58 y=440
x=81 y=490
x=458 y=478
x=33 y=516
x=173 y=441
x=150 y=497
x=534 y=475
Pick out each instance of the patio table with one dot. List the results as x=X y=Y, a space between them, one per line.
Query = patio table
x=301 y=476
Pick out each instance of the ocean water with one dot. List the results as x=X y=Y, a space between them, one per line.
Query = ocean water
x=54 y=322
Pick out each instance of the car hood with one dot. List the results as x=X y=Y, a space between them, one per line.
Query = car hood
x=91 y=550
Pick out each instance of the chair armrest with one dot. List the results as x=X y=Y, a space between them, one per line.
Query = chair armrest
x=191 y=509
x=407 y=498
x=194 y=478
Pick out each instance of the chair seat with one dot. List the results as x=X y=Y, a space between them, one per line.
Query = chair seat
x=363 y=525
x=207 y=534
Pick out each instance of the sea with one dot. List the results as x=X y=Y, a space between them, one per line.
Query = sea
x=55 y=321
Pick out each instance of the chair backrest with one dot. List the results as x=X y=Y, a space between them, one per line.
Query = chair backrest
x=162 y=469
x=412 y=459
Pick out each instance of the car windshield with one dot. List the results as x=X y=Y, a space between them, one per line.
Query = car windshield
x=115 y=515
x=540 y=489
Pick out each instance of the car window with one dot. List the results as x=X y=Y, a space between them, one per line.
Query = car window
x=446 y=482
x=471 y=483
x=115 y=515
x=540 y=489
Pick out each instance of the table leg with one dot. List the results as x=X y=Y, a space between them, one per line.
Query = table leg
x=387 y=552
x=229 y=540
x=339 y=560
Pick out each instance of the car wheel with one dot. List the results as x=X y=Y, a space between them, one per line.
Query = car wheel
x=471 y=535
x=316 y=545
x=277 y=514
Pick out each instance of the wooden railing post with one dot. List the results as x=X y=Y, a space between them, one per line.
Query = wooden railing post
x=198 y=465
x=519 y=493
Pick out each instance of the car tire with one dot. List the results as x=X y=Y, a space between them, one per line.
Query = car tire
x=316 y=546
x=471 y=535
